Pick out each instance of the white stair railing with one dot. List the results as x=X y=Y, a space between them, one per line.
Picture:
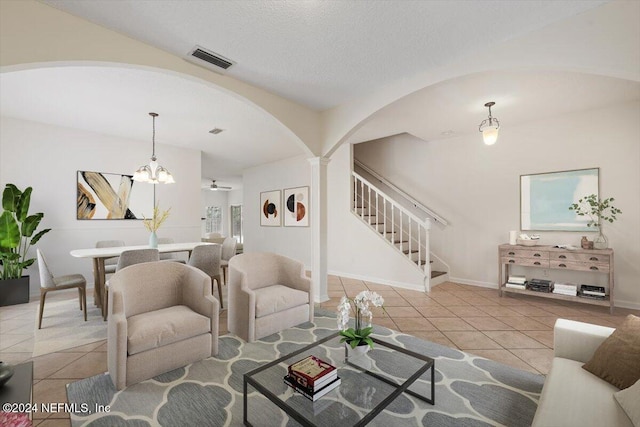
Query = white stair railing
x=399 y=227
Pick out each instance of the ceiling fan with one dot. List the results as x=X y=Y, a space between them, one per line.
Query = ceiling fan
x=216 y=187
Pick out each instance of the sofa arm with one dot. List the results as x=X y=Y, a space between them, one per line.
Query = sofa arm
x=117 y=341
x=577 y=340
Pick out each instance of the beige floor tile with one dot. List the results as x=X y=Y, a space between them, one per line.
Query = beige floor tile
x=499 y=311
x=410 y=294
x=465 y=310
x=46 y=365
x=336 y=294
x=387 y=294
x=50 y=391
x=386 y=322
x=486 y=323
x=538 y=358
x=506 y=357
x=353 y=283
x=436 y=311
x=9 y=340
x=85 y=348
x=547 y=320
x=422 y=301
x=331 y=304
x=564 y=311
x=523 y=323
x=468 y=340
x=394 y=312
x=486 y=301
x=530 y=310
x=378 y=287
x=396 y=302
x=545 y=337
x=335 y=287
x=450 y=324
x=410 y=324
x=86 y=366
x=434 y=336
x=449 y=286
x=513 y=339
x=14 y=358
x=448 y=299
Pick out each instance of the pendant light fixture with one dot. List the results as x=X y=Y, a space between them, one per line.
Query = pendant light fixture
x=489 y=127
x=153 y=173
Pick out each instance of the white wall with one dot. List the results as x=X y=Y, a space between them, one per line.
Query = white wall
x=47 y=157
x=353 y=249
x=293 y=242
x=476 y=187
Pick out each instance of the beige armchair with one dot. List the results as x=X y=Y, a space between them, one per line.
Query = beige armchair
x=161 y=316
x=267 y=293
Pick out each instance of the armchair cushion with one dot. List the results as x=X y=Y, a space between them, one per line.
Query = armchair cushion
x=159 y=328
x=277 y=298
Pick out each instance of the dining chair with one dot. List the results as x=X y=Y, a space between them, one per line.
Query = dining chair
x=207 y=259
x=127 y=258
x=228 y=251
x=110 y=263
x=168 y=256
x=48 y=283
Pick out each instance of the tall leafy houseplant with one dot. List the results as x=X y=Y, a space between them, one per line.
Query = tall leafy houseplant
x=17 y=231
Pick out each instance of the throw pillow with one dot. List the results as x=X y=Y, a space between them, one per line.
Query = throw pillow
x=629 y=400
x=617 y=360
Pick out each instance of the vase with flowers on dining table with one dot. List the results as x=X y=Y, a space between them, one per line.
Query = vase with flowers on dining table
x=153 y=224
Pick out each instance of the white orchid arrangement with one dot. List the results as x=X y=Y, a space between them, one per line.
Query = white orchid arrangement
x=361 y=306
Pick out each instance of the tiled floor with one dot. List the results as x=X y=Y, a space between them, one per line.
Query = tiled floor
x=516 y=331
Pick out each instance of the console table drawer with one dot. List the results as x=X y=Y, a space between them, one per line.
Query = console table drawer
x=582 y=266
x=569 y=256
x=523 y=253
x=530 y=262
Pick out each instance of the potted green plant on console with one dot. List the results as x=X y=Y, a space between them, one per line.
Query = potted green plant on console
x=599 y=211
x=17 y=234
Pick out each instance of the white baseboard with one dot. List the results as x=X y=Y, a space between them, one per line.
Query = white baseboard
x=474 y=282
x=626 y=304
x=403 y=285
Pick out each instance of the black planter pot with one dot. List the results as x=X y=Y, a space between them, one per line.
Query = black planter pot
x=14 y=291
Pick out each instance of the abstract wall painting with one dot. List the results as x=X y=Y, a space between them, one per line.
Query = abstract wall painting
x=545 y=199
x=296 y=207
x=270 y=212
x=112 y=196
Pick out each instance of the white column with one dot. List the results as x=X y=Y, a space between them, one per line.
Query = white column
x=319 y=227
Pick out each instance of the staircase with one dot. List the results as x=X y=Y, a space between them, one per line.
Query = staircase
x=397 y=226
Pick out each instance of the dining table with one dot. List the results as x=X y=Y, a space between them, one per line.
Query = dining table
x=99 y=255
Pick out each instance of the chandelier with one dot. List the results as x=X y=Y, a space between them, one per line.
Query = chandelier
x=153 y=173
x=489 y=127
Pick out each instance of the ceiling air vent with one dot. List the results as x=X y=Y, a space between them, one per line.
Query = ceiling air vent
x=200 y=56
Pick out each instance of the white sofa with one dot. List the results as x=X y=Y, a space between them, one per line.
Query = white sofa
x=572 y=396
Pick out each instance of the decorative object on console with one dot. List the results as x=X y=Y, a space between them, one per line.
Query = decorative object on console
x=598 y=211
x=544 y=198
x=270 y=208
x=489 y=127
x=296 y=202
x=153 y=224
x=513 y=237
x=153 y=173
x=528 y=240
x=358 y=336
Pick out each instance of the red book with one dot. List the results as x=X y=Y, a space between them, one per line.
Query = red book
x=312 y=371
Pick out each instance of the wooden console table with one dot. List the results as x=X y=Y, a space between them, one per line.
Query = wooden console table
x=549 y=257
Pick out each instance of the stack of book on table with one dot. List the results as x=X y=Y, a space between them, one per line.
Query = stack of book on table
x=517 y=282
x=565 y=289
x=590 y=291
x=312 y=377
x=540 y=285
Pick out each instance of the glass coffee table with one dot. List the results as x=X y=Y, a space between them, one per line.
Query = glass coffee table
x=369 y=384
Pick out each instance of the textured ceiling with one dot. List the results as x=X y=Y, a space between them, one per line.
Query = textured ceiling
x=324 y=53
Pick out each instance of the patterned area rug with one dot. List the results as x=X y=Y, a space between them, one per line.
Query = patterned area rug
x=469 y=391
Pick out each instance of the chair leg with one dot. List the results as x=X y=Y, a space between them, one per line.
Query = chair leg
x=220 y=291
x=43 y=295
x=80 y=297
x=105 y=303
x=84 y=302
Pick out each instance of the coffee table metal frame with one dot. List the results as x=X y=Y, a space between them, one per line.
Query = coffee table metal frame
x=400 y=388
